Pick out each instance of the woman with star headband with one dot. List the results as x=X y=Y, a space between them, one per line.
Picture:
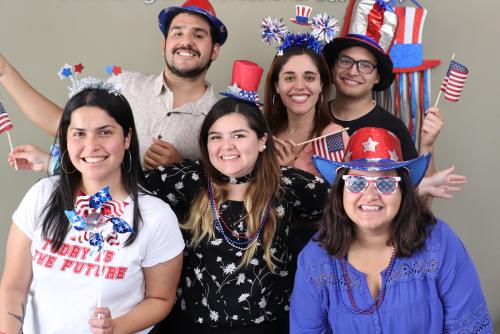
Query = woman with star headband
x=381 y=262
x=236 y=205
x=122 y=244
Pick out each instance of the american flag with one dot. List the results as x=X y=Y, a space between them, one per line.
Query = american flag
x=330 y=147
x=454 y=81
x=5 y=122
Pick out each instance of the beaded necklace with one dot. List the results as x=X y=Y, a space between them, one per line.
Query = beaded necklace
x=241 y=241
x=380 y=297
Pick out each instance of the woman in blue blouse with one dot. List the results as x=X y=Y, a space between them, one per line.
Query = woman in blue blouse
x=381 y=263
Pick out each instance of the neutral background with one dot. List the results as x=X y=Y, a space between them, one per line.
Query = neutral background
x=38 y=37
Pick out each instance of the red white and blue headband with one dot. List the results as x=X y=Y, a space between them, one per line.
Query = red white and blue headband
x=323 y=30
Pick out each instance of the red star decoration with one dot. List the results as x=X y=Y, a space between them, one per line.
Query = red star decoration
x=117 y=70
x=79 y=68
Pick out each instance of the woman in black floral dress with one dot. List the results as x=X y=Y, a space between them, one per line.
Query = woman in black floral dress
x=235 y=205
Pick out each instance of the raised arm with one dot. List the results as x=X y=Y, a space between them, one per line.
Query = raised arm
x=431 y=127
x=40 y=110
x=442 y=184
x=15 y=281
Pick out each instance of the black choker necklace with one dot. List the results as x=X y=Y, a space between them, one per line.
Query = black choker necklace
x=235 y=180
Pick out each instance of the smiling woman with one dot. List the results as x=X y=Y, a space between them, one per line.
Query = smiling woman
x=381 y=261
x=296 y=94
x=236 y=205
x=58 y=264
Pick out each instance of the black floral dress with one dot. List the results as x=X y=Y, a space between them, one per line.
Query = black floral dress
x=213 y=290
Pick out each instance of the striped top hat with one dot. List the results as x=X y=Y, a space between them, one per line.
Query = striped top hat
x=407 y=52
x=302 y=14
x=370 y=24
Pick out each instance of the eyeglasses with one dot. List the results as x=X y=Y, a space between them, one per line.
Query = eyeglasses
x=385 y=185
x=363 y=66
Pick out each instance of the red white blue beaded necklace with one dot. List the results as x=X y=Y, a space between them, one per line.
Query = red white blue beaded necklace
x=241 y=241
x=380 y=297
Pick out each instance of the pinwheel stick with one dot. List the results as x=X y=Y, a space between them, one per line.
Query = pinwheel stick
x=99 y=287
x=11 y=149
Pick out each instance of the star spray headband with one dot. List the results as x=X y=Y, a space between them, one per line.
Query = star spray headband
x=111 y=85
x=323 y=30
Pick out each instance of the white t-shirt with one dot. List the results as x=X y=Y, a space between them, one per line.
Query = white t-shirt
x=65 y=285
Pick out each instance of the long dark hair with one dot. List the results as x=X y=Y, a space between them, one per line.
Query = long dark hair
x=264 y=187
x=275 y=110
x=407 y=232
x=55 y=225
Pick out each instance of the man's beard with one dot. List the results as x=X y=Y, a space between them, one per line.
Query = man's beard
x=188 y=73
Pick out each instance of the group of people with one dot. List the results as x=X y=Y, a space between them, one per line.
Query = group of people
x=214 y=221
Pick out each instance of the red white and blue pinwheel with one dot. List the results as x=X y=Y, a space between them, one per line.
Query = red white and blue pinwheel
x=98 y=216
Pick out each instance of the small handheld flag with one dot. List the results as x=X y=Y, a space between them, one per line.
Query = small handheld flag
x=330 y=147
x=454 y=81
x=5 y=126
x=5 y=122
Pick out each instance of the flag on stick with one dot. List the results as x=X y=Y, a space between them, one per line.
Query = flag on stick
x=454 y=81
x=5 y=126
x=5 y=122
x=330 y=147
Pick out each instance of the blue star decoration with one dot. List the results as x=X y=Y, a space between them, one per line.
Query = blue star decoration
x=109 y=69
x=65 y=71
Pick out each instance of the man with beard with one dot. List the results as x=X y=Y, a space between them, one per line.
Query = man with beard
x=168 y=106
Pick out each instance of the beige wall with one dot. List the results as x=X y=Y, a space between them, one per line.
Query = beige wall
x=40 y=36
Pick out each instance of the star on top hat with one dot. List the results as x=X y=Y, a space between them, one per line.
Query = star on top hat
x=407 y=53
x=302 y=14
x=373 y=149
x=202 y=7
x=370 y=24
x=245 y=81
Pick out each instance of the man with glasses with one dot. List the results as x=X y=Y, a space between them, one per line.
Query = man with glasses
x=359 y=66
x=168 y=107
x=358 y=69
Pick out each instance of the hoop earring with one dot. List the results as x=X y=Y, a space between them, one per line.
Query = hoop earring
x=321 y=100
x=274 y=96
x=62 y=164
x=130 y=160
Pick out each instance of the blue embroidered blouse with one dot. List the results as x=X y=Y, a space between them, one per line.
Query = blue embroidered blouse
x=436 y=290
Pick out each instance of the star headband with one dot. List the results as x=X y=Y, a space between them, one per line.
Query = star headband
x=111 y=85
x=323 y=30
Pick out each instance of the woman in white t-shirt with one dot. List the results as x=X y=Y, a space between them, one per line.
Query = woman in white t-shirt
x=51 y=278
